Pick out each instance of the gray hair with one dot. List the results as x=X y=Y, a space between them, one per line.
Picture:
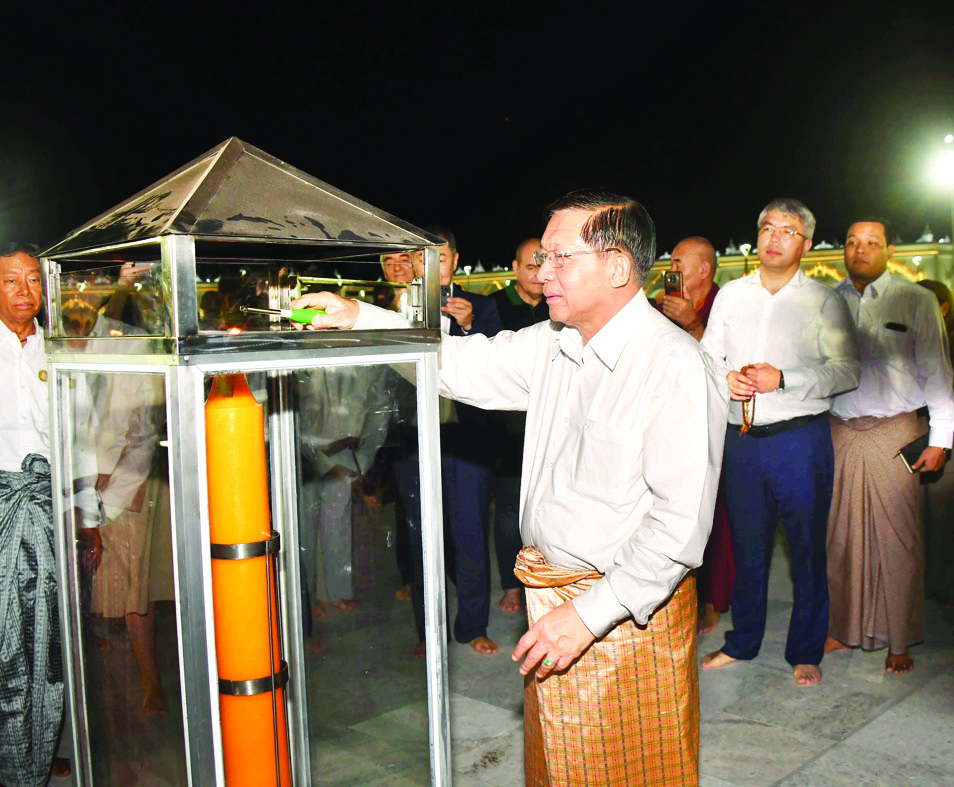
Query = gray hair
x=615 y=221
x=791 y=207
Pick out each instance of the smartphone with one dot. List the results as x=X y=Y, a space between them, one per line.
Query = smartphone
x=672 y=283
x=446 y=293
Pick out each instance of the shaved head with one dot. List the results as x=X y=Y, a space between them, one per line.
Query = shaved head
x=696 y=258
x=700 y=246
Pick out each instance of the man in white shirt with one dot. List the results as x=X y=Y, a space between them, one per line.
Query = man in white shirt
x=31 y=693
x=875 y=549
x=787 y=345
x=615 y=518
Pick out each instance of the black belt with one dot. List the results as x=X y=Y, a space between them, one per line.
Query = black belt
x=780 y=427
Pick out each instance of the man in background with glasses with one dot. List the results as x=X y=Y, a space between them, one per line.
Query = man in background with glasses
x=786 y=344
x=615 y=517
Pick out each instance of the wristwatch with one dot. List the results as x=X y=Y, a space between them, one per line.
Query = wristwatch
x=781 y=380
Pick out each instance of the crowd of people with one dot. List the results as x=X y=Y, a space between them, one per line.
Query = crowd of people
x=800 y=395
x=639 y=456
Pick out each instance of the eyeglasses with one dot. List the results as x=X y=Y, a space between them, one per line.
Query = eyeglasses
x=559 y=258
x=785 y=232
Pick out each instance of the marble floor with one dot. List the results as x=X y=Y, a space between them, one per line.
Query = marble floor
x=860 y=726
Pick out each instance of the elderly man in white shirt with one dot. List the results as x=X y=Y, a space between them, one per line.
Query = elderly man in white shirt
x=787 y=345
x=31 y=692
x=875 y=549
x=615 y=519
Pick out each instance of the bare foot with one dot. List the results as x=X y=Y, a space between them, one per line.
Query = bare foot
x=512 y=600
x=419 y=651
x=484 y=646
x=61 y=768
x=807 y=674
x=153 y=700
x=716 y=659
x=899 y=663
x=318 y=611
x=708 y=618
x=403 y=594
x=832 y=644
x=344 y=604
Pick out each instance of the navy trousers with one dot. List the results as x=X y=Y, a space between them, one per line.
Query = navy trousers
x=466 y=491
x=466 y=494
x=507 y=540
x=787 y=476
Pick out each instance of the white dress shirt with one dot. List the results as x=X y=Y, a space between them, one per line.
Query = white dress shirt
x=804 y=330
x=25 y=414
x=905 y=362
x=622 y=451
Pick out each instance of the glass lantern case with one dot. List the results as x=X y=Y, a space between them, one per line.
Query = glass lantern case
x=229 y=489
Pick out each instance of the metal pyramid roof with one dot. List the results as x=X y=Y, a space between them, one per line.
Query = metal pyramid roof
x=238 y=192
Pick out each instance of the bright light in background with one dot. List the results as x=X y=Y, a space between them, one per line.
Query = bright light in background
x=944 y=168
x=944 y=165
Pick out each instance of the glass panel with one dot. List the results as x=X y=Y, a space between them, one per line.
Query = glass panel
x=119 y=508
x=111 y=300
x=360 y=538
x=225 y=289
x=222 y=291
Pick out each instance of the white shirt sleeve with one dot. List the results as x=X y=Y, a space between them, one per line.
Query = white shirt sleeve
x=713 y=340
x=933 y=361
x=840 y=369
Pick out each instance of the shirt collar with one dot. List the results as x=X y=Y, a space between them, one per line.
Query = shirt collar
x=37 y=334
x=610 y=340
x=797 y=281
x=513 y=295
x=878 y=287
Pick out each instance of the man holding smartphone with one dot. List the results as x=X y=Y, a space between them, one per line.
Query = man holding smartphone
x=694 y=259
x=693 y=267
x=467 y=457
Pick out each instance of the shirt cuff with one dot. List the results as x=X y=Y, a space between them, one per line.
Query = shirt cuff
x=599 y=609
x=373 y=317
x=796 y=380
x=940 y=438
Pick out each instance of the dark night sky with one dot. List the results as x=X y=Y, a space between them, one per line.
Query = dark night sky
x=477 y=118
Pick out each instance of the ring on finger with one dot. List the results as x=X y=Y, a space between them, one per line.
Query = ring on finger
x=547 y=663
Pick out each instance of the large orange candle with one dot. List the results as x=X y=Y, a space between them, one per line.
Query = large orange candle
x=253 y=724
